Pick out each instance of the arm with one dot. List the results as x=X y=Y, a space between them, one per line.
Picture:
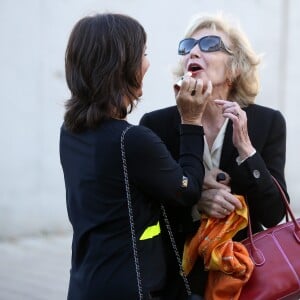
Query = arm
x=253 y=177
x=152 y=168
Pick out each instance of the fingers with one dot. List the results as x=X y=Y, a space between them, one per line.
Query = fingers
x=210 y=180
x=182 y=83
x=201 y=88
x=240 y=136
x=231 y=110
x=191 y=100
x=226 y=205
x=193 y=92
x=186 y=83
x=193 y=86
x=218 y=203
x=179 y=82
x=232 y=202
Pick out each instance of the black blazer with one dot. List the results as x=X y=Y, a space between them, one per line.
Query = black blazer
x=267 y=131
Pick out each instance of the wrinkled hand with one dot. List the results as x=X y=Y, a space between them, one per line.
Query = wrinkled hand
x=218 y=203
x=210 y=180
x=192 y=98
x=240 y=136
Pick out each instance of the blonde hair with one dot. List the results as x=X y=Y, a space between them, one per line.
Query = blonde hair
x=242 y=65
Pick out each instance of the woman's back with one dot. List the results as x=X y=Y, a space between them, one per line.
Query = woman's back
x=97 y=207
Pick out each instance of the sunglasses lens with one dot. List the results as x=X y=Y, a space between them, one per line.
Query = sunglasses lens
x=185 y=46
x=210 y=43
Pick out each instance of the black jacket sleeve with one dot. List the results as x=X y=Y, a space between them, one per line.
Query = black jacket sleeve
x=156 y=173
x=253 y=177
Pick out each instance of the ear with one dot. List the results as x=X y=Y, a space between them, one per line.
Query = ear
x=229 y=82
x=233 y=70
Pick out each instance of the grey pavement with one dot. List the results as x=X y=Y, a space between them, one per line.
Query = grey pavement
x=35 y=268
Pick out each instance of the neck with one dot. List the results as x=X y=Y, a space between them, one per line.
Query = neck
x=212 y=121
x=213 y=112
x=213 y=116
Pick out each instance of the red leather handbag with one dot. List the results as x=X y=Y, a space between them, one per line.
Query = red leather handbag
x=276 y=255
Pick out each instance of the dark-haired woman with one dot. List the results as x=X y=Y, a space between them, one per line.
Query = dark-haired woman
x=105 y=65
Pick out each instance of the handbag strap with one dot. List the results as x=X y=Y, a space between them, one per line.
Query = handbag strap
x=258 y=257
x=175 y=249
x=132 y=227
x=287 y=205
x=130 y=212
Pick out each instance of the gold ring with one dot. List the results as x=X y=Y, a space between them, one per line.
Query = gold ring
x=194 y=90
x=225 y=210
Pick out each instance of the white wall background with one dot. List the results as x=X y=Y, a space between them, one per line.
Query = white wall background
x=34 y=35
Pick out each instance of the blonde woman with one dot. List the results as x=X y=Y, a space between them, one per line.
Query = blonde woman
x=244 y=141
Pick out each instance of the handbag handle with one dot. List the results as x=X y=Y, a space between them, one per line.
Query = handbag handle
x=256 y=254
x=288 y=208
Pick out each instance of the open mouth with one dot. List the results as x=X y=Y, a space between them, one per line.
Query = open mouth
x=194 y=68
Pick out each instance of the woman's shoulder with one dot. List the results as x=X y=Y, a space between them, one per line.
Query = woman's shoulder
x=265 y=119
x=140 y=134
x=261 y=108
x=141 y=142
x=257 y=111
x=162 y=113
x=157 y=118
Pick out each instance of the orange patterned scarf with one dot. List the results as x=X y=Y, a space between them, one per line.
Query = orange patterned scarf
x=228 y=262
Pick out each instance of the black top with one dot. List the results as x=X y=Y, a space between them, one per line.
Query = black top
x=102 y=256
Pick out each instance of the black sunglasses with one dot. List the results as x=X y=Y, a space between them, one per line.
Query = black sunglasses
x=210 y=43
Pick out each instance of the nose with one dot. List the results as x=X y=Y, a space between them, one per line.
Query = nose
x=195 y=51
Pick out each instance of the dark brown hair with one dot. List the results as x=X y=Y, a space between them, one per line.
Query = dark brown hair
x=103 y=63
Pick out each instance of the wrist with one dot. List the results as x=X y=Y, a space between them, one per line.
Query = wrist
x=241 y=159
x=246 y=152
x=192 y=121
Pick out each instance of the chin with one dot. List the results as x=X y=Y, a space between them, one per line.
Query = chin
x=139 y=93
